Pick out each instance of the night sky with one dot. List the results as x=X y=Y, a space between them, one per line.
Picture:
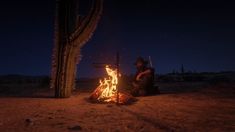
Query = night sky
x=199 y=35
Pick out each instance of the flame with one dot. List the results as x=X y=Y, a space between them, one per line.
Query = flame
x=107 y=89
x=108 y=86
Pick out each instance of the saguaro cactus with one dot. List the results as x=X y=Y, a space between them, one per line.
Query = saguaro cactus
x=71 y=33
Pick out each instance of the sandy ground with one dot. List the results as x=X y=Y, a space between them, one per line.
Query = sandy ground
x=210 y=109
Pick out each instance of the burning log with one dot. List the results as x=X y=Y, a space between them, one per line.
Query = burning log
x=107 y=90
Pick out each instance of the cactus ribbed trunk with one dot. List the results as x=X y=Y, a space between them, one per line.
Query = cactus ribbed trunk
x=70 y=36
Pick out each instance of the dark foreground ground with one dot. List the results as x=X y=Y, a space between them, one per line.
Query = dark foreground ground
x=180 y=107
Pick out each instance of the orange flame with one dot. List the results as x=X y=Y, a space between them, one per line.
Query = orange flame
x=107 y=89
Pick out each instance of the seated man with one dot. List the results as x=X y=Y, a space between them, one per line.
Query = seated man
x=143 y=83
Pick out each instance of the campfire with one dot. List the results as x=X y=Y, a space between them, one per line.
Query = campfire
x=108 y=90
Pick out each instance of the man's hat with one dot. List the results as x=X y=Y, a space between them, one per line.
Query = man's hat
x=140 y=59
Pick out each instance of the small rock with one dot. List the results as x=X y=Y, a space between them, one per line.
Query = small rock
x=128 y=126
x=29 y=121
x=50 y=117
x=75 y=128
x=141 y=127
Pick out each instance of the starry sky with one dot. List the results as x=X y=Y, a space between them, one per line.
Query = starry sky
x=198 y=34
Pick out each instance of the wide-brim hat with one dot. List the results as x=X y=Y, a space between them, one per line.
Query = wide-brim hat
x=140 y=59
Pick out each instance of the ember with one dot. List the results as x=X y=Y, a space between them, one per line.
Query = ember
x=107 y=90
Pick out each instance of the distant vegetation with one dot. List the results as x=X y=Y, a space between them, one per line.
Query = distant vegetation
x=213 y=77
x=26 y=85
x=21 y=79
x=226 y=76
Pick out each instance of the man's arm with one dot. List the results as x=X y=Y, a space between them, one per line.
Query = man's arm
x=148 y=71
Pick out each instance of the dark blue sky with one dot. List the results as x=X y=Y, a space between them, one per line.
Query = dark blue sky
x=198 y=34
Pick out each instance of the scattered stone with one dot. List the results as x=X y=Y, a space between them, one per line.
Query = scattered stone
x=128 y=126
x=29 y=121
x=50 y=117
x=142 y=127
x=75 y=128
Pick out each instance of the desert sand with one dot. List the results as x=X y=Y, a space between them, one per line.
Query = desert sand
x=209 y=109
